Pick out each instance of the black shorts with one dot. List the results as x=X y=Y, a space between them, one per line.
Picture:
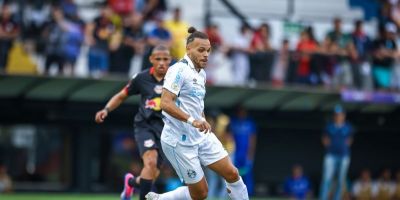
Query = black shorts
x=147 y=139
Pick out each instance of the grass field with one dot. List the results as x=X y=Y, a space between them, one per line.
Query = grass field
x=45 y=196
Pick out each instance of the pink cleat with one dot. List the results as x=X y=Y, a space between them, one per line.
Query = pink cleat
x=128 y=190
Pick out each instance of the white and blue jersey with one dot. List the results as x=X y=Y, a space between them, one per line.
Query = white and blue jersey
x=188 y=85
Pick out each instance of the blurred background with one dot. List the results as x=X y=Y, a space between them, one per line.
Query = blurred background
x=304 y=94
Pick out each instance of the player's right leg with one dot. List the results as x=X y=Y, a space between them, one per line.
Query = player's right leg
x=187 y=166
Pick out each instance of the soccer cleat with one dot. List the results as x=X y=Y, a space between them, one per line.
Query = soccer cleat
x=128 y=190
x=152 y=196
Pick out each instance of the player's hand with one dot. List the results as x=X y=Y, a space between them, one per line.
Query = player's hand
x=203 y=126
x=100 y=116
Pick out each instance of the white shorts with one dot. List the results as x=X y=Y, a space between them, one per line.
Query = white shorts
x=187 y=160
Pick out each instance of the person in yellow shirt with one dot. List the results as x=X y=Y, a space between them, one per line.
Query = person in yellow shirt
x=178 y=29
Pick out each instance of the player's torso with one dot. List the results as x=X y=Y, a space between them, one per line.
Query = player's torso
x=150 y=98
x=191 y=96
x=191 y=101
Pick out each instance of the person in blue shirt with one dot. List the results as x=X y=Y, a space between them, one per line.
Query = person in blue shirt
x=297 y=186
x=243 y=129
x=337 y=139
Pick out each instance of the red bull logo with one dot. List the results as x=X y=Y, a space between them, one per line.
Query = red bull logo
x=153 y=104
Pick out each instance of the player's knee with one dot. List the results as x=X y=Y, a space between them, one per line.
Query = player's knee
x=151 y=164
x=200 y=194
x=232 y=174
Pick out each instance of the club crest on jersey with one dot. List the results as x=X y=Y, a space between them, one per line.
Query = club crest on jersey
x=148 y=143
x=153 y=104
x=158 y=89
x=191 y=173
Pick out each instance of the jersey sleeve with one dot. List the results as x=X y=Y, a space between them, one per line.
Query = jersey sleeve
x=133 y=86
x=174 y=79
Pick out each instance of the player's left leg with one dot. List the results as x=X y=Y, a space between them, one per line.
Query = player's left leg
x=234 y=183
x=147 y=176
x=214 y=156
x=149 y=172
x=149 y=147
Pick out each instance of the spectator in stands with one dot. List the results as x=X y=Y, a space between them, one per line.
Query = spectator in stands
x=70 y=9
x=337 y=140
x=395 y=13
x=260 y=41
x=360 y=65
x=385 y=13
x=9 y=31
x=243 y=129
x=157 y=36
x=280 y=68
x=5 y=180
x=362 y=188
x=397 y=191
x=384 y=53
x=74 y=33
x=297 y=186
x=55 y=35
x=342 y=48
x=219 y=70
x=212 y=30
x=36 y=16
x=133 y=44
x=98 y=37
x=384 y=188
x=306 y=47
x=154 y=9
x=337 y=35
x=240 y=55
x=178 y=29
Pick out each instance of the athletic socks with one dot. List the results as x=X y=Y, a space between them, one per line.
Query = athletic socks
x=180 y=193
x=237 y=190
x=145 y=187
x=133 y=183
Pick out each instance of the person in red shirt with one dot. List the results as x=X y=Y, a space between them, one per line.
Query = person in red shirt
x=260 y=41
x=306 y=46
x=213 y=35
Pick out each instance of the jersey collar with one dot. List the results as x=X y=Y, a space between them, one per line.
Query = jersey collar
x=191 y=65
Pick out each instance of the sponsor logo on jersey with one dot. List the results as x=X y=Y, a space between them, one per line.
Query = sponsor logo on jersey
x=153 y=104
x=148 y=143
x=158 y=89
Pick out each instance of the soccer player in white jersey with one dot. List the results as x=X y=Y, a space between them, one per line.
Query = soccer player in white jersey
x=186 y=139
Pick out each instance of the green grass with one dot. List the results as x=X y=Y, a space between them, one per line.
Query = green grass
x=73 y=196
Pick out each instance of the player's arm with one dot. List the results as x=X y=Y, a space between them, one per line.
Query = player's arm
x=111 y=105
x=168 y=105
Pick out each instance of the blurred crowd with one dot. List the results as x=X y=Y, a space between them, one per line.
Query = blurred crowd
x=120 y=38
x=384 y=186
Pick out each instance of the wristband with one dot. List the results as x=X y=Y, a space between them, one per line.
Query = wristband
x=190 y=120
x=203 y=119
x=107 y=109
